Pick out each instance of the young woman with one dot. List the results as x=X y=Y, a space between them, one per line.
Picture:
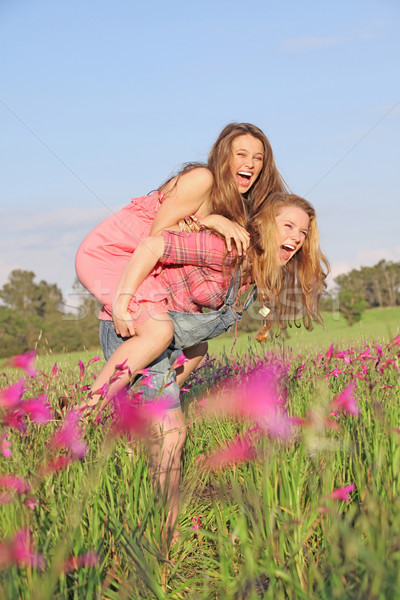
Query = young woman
x=196 y=272
x=239 y=175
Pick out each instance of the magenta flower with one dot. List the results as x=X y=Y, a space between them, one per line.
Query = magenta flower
x=196 y=523
x=54 y=370
x=258 y=396
x=15 y=418
x=5 y=446
x=180 y=361
x=395 y=341
x=31 y=502
x=330 y=352
x=135 y=416
x=346 y=401
x=38 y=409
x=81 y=369
x=56 y=464
x=69 y=436
x=25 y=362
x=10 y=397
x=90 y=559
x=19 y=550
x=342 y=493
x=94 y=359
x=14 y=484
x=236 y=452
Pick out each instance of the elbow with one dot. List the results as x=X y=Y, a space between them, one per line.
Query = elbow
x=154 y=244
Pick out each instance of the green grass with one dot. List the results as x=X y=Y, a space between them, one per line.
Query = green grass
x=379 y=324
x=268 y=528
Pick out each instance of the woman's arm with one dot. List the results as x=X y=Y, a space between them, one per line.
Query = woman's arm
x=143 y=260
x=191 y=195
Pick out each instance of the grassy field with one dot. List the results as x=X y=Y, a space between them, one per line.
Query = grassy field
x=291 y=493
x=376 y=324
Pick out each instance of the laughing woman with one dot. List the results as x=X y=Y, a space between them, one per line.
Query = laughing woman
x=195 y=270
x=239 y=175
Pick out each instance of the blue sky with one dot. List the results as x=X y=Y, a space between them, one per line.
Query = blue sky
x=101 y=102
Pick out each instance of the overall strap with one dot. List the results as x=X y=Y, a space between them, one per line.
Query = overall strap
x=233 y=289
x=251 y=297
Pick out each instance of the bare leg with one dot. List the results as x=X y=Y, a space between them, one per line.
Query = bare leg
x=151 y=339
x=195 y=354
x=165 y=451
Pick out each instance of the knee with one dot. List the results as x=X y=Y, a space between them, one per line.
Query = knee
x=165 y=332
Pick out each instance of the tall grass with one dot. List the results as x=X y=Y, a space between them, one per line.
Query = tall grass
x=262 y=527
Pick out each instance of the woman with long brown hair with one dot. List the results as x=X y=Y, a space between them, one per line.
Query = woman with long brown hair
x=196 y=269
x=239 y=174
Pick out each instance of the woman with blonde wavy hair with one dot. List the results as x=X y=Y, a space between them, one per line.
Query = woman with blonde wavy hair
x=292 y=286
x=196 y=269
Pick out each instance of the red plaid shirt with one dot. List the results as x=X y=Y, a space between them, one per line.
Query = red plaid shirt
x=196 y=270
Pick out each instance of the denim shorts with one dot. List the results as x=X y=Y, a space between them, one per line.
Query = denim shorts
x=190 y=330
x=163 y=376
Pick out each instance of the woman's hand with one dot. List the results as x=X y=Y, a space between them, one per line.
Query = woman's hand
x=230 y=231
x=122 y=319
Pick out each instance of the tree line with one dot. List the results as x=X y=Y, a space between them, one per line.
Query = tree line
x=366 y=287
x=34 y=315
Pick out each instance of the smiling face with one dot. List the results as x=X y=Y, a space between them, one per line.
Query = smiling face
x=292 y=225
x=247 y=161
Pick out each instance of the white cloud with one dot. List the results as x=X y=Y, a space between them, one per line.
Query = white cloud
x=307 y=43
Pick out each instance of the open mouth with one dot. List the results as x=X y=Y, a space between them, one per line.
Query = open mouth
x=287 y=251
x=244 y=178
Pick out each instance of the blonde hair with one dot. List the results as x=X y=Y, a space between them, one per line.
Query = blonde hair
x=226 y=199
x=292 y=291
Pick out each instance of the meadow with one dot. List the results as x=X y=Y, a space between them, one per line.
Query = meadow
x=290 y=486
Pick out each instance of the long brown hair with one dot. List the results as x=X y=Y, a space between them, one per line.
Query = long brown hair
x=226 y=199
x=293 y=291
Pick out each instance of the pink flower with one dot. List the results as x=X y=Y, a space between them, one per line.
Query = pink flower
x=342 y=493
x=346 y=401
x=135 y=416
x=330 y=352
x=69 y=436
x=19 y=550
x=10 y=397
x=14 y=484
x=54 y=370
x=395 y=341
x=257 y=395
x=31 y=502
x=15 y=418
x=25 y=362
x=38 y=409
x=196 y=523
x=180 y=361
x=238 y=451
x=94 y=359
x=90 y=559
x=56 y=464
x=5 y=446
x=344 y=354
x=146 y=379
x=81 y=369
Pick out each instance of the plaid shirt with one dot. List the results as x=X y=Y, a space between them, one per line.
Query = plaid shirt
x=196 y=270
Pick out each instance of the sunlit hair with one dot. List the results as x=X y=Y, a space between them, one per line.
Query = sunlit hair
x=292 y=291
x=226 y=199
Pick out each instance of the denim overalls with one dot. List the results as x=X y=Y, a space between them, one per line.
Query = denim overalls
x=190 y=329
